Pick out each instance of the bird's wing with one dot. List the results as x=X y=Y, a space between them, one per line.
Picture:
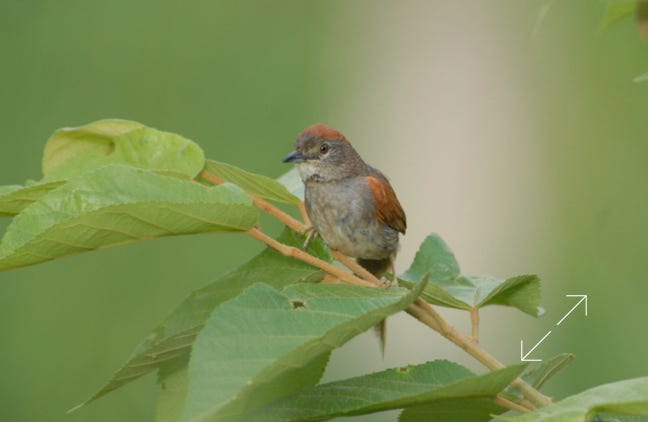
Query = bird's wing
x=388 y=209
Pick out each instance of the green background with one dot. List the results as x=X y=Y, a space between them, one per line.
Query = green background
x=524 y=143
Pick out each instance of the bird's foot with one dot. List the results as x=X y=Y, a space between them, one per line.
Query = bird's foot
x=311 y=234
x=387 y=283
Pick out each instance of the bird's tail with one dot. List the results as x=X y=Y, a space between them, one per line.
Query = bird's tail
x=378 y=267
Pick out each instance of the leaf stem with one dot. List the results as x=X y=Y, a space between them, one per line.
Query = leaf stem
x=504 y=402
x=474 y=320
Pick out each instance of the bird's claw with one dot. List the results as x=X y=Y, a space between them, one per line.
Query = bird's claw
x=387 y=283
x=311 y=234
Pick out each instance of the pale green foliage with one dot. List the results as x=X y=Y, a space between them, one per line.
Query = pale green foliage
x=438 y=383
x=253 y=344
x=261 y=186
x=73 y=151
x=266 y=336
x=447 y=287
x=117 y=204
x=14 y=198
x=171 y=341
x=629 y=397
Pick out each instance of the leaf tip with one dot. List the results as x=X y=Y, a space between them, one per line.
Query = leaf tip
x=75 y=408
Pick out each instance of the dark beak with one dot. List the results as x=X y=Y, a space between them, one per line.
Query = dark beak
x=294 y=157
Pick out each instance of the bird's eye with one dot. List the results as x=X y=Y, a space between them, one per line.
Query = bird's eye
x=324 y=148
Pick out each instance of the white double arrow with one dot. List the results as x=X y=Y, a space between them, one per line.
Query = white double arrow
x=524 y=357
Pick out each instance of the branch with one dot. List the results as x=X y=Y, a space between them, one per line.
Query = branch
x=474 y=321
x=422 y=311
x=504 y=402
x=293 y=252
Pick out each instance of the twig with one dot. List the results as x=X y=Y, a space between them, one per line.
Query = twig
x=474 y=320
x=422 y=311
x=297 y=253
x=357 y=268
x=504 y=402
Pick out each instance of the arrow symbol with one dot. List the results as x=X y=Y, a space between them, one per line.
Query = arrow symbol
x=523 y=357
x=583 y=298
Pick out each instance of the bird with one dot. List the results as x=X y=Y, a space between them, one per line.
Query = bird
x=349 y=203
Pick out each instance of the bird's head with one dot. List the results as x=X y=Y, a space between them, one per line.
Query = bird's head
x=323 y=154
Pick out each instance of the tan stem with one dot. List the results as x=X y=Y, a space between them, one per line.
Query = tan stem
x=474 y=320
x=422 y=311
x=297 y=253
x=357 y=268
x=211 y=178
x=526 y=403
x=509 y=404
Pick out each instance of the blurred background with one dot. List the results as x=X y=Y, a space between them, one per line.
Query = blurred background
x=521 y=140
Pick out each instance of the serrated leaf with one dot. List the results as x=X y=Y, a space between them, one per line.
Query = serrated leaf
x=433 y=257
x=256 y=184
x=629 y=397
x=436 y=383
x=173 y=338
x=617 y=10
x=73 y=151
x=292 y=181
x=537 y=373
x=260 y=337
x=119 y=204
x=447 y=287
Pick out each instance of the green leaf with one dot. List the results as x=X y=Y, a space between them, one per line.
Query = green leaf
x=445 y=385
x=253 y=346
x=617 y=10
x=14 y=198
x=433 y=257
x=538 y=373
x=256 y=184
x=629 y=397
x=173 y=338
x=173 y=383
x=447 y=287
x=73 y=151
x=119 y=204
x=453 y=410
x=292 y=181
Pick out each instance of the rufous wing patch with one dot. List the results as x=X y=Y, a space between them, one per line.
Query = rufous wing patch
x=388 y=209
